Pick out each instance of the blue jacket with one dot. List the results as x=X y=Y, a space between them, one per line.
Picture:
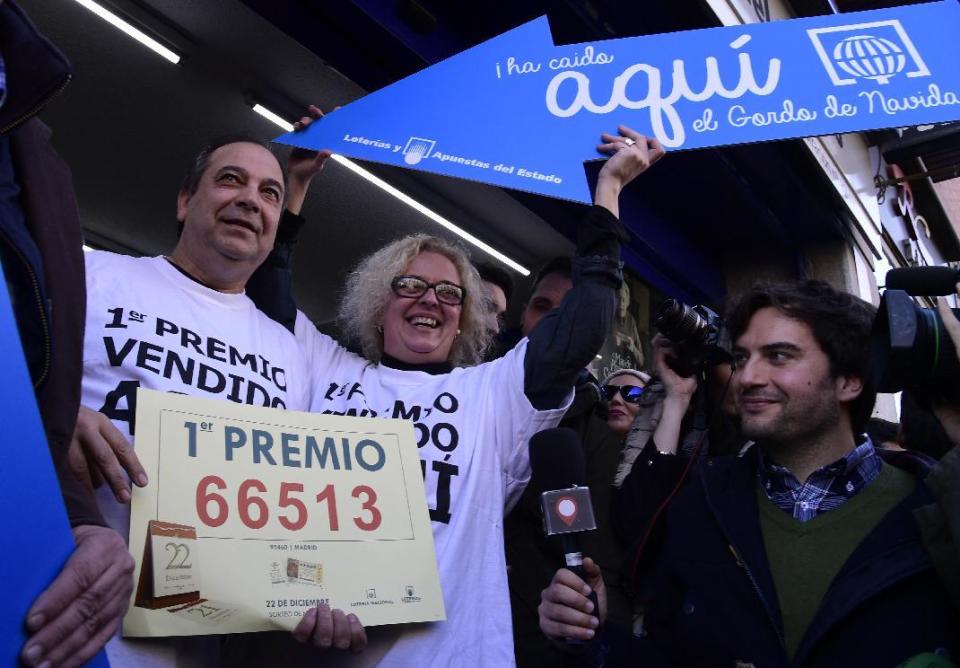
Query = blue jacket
x=715 y=603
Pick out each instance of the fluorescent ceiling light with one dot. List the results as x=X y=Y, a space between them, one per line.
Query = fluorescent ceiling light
x=274 y=118
x=403 y=197
x=136 y=33
x=429 y=213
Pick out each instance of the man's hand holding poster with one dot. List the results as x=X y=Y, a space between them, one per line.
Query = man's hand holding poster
x=255 y=515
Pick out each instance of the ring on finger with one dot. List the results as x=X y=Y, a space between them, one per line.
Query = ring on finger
x=628 y=141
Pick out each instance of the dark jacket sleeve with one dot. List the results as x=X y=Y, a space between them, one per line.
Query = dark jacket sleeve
x=635 y=520
x=617 y=646
x=650 y=482
x=661 y=594
x=78 y=498
x=53 y=222
x=271 y=286
x=566 y=340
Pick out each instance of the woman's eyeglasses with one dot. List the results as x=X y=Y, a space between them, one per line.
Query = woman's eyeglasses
x=630 y=393
x=413 y=287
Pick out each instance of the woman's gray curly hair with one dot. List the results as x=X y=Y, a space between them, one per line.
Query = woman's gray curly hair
x=368 y=292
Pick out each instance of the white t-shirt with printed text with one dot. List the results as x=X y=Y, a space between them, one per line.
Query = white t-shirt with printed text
x=473 y=426
x=148 y=325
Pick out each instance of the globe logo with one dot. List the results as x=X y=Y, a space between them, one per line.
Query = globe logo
x=869 y=57
x=876 y=51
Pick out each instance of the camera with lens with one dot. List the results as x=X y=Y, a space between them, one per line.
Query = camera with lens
x=909 y=346
x=694 y=332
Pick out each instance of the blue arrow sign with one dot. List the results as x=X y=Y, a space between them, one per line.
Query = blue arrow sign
x=519 y=112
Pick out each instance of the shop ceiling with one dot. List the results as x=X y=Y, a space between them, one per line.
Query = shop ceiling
x=131 y=121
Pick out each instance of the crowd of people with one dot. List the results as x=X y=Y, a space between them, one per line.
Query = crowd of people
x=744 y=515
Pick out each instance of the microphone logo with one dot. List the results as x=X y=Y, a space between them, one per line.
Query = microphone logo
x=567 y=510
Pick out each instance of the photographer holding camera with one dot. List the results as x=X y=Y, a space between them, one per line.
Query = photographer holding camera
x=949 y=414
x=687 y=410
x=808 y=549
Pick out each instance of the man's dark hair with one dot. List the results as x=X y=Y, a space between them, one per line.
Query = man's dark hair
x=562 y=264
x=191 y=179
x=491 y=273
x=840 y=323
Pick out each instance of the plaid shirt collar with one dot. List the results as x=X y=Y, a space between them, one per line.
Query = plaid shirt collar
x=827 y=488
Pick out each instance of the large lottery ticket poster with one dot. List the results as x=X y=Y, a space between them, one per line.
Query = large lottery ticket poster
x=254 y=515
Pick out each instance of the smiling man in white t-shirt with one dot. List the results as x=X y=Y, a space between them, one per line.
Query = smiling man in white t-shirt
x=182 y=323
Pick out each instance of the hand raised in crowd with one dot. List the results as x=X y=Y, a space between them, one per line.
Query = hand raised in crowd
x=98 y=452
x=304 y=164
x=949 y=414
x=82 y=607
x=678 y=392
x=674 y=384
x=565 y=611
x=325 y=628
x=631 y=154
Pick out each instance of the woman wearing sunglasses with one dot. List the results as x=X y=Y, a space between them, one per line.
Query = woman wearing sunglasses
x=622 y=390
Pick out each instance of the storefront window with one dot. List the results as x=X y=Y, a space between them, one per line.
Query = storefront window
x=628 y=346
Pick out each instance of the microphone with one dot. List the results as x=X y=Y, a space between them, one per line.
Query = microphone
x=558 y=471
x=924 y=281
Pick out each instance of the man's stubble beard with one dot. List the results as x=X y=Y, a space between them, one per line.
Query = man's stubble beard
x=799 y=427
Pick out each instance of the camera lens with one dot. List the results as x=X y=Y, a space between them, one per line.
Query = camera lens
x=679 y=322
x=911 y=349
